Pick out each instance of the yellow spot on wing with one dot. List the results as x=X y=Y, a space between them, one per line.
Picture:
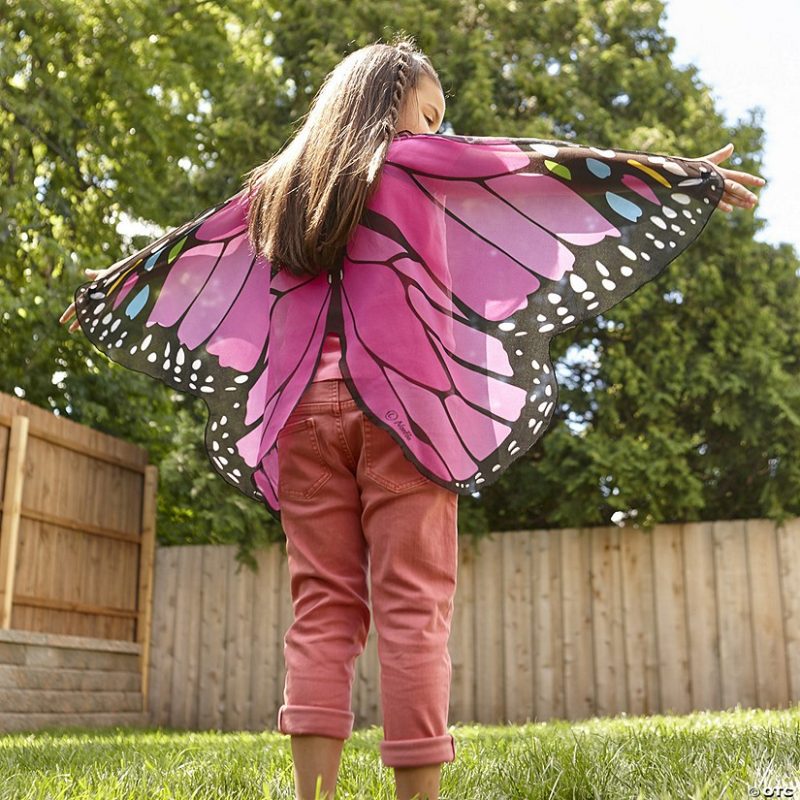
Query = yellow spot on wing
x=124 y=275
x=650 y=171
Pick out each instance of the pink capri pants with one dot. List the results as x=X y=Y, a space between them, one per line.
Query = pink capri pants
x=351 y=501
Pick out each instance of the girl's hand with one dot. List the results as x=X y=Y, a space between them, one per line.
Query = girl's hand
x=92 y=274
x=735 y=193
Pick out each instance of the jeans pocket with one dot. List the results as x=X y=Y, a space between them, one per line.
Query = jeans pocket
x=302 y=470
x=385 y=461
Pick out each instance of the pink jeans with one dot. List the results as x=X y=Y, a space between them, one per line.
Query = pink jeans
x=351 y=501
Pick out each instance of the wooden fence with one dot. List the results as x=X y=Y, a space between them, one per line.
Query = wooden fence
x=77 y=535
x=547 y=624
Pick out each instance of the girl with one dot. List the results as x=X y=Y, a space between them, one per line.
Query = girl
x=369 y=322
x=351 y=502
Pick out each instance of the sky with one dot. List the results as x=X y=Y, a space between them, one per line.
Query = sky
x=749 y=55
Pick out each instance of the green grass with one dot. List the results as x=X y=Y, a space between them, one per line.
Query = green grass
x=735 y=754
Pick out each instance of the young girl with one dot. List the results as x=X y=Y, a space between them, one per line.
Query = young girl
x=351 y=502
x=369 y=325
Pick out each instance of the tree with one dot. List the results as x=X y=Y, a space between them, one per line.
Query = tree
x=680 y=404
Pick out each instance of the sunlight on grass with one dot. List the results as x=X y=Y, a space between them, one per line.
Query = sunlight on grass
x=736 y=754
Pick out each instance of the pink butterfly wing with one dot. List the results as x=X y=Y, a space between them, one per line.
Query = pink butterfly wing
x=299 y=308
x=194 y=310
x=472 y=254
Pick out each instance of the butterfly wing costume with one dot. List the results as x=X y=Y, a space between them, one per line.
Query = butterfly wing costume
x=471 y=255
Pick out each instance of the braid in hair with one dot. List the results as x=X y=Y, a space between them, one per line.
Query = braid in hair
x=405 y=51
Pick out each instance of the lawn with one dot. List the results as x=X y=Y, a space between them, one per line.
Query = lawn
x=735 y=754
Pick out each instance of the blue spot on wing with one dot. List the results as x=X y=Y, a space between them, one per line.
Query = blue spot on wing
x=598 y=168
x=138 y=302
x=625 y=208
x=150 y=263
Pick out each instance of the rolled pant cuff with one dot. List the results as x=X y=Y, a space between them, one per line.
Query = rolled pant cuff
x=418 y=752
x=316 y=721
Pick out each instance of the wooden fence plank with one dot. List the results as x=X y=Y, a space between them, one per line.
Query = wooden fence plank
x=547 y=625
x=788 y=537
x=237 y=656
x=489 y=657
x=281 y=607
x=671 y=619
x=184 y=610
x=638 y=612
x=769 y=646
x=737 y=666
x=194 y=587
x=285 y=620
x=576 y=600
x=12 y=502
x=144 y=598
x=461 y=643
x=607 y=621
x=162 y=653
x=518 y=656
x=701 y=603
x=212 y=637
x=263 y=635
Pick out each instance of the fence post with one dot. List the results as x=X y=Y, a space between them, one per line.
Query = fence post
x=12 y=507
x=144 y=615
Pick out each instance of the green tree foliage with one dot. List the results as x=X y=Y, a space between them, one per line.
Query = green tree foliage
x=681 y=403
x=110 y=112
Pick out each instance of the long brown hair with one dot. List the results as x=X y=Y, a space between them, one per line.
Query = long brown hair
x=307 y=199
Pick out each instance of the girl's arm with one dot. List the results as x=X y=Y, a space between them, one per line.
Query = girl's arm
x=735 y=193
